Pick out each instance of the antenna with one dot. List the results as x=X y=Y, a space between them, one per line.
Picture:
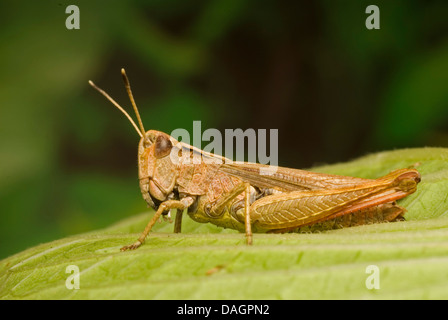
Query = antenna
x=131 y=97
x=120 y=108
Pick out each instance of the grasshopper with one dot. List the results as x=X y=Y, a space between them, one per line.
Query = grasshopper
x=235 y=195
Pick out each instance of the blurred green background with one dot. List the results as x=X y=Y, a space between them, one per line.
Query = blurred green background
x=333 y=88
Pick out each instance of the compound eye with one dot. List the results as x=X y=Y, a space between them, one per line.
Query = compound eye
x=163 y=146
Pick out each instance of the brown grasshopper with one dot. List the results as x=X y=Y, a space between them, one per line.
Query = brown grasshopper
x=235 y=195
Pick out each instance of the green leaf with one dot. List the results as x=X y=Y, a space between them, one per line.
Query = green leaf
x=206 y=262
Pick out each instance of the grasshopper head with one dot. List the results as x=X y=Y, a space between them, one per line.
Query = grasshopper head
x=154 y=146
x=157 y=173
x=159 y=141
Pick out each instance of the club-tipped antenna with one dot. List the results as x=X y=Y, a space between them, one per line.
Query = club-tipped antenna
x=131 y=97
x=118 y=107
